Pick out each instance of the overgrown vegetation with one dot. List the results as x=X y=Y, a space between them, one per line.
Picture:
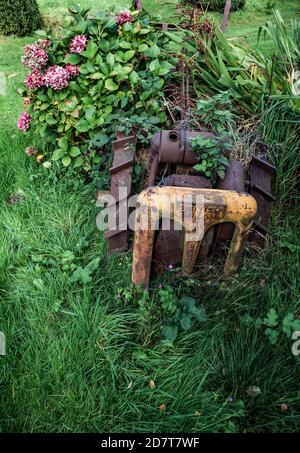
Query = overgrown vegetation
x=217 y=5
x=19 y=17
x=102 y=71
x=86 y=351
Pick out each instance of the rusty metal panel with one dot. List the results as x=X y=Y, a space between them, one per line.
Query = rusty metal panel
x=261 y=173
x=121 y=178
x=234 y=180
x=168 y=247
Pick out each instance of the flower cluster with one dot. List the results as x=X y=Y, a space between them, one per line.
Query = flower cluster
x=123 y=17
x=56 y=77
x=34 y=57
x=72 y=70
x=31 y=151
x=24 y=121
x=78 y=43
x=35 y=79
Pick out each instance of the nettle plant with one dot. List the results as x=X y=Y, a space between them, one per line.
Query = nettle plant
x=103 y=72
x=214 y=113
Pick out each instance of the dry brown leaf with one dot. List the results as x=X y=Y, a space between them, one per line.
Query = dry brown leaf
x=253 y=391
x=162 y=407
x=284 y=407
x=152 y=384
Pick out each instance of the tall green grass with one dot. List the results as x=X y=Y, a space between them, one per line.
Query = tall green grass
x=80 y=357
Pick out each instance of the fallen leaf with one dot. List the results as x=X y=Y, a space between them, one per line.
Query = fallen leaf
x=152 y=384
x=129 y=385
x=284 y=407
x=253 y=391
x=162 y=407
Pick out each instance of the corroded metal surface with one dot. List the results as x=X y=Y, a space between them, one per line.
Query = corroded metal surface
x=261 y=174
x=168 y=247
x=174 y=145
x=219 y=206
x=234 y=180
x=121 y=179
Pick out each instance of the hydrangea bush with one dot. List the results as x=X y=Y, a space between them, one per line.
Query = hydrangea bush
x=102 y=72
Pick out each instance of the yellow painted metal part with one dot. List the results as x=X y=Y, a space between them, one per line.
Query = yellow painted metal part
x=216 y=206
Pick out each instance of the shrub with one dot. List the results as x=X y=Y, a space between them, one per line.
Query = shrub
x=101 y=73
x=19 y=17
x=217 y=5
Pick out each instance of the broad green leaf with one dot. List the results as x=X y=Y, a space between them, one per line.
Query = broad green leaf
x=128 y=55
x=74 y=151
x=186 y=321
x=125 y=45
x=57 y=154
x=110 y=85
x=134 y=77
x=110 y=59
x=66 y=161
x=91 y=50
x=78 y=162
x=170 y=332
x=143 y=47
x=72 y=58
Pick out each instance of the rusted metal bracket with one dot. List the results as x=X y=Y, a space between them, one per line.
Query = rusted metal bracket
x=168 y=247
x=261 y=173
x=218 y=206
x=120 y=189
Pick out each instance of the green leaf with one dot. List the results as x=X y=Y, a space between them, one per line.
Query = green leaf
x=272 y=334
x=72 y=58
x=154 y=51
x=110 y=59
x=272 y=318
x=57 y=154
x=63 y=143
x=125 y=45
x=143 y=47
x=110 y=85
x=186 y=321
x=103 y=44
x=154 y=65
x=128 y=55
x=199 y=313
x=163 y=71
x=170 y=332
x=91 y=50
x=188 y=302
x=74 y=151
x=66 y=161
x=78 y=162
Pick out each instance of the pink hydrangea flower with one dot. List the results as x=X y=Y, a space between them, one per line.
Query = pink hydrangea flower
x=35 y=79
x=123 y=17
x=56 y=77
x=31 y=151
x=24 y=121
x=78 y=43
x=72 y=70
x=34 y=57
